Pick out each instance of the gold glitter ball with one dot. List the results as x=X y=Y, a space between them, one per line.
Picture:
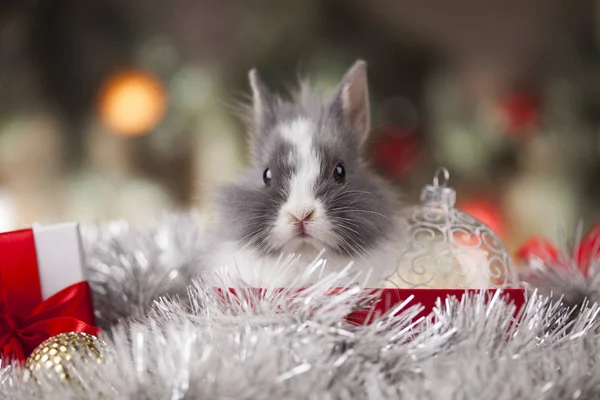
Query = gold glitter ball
x=53 y=356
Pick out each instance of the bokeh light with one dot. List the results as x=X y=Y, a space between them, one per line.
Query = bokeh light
x=132 y=102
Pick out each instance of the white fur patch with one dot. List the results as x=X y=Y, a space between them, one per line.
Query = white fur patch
x=301 y=196
x=299 y=134
x=275 y=272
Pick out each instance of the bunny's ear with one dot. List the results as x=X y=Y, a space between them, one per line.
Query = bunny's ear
x=352 y=100
x=262 y=102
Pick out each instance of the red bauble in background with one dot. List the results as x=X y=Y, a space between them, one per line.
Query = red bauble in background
x=520 y=111
x=395 y=150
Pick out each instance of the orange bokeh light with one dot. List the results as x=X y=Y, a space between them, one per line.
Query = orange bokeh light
x=132 y=103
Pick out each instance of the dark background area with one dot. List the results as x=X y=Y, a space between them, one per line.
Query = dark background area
x=123 y=109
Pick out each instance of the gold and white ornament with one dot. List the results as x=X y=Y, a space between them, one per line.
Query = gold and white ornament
x=53 y=356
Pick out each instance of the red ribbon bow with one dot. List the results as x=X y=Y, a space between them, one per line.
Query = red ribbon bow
x=26 y=321
x=585 y=254
x=69 y=310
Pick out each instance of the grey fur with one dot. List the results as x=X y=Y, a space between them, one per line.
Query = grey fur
x=360 y=208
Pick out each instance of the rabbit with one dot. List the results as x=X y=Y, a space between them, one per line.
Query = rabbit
x=308 y=191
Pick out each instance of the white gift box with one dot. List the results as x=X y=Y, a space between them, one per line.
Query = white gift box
x=60 y=257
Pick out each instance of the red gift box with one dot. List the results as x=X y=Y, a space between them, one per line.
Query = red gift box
x=384 y=301
x=427 y=298
x=43 y=291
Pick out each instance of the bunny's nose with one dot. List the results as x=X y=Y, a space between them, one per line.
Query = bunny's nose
x=300 y=219
x=303 y=216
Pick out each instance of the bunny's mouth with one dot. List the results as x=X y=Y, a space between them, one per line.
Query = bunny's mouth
x=303 y=235
x=300 y=230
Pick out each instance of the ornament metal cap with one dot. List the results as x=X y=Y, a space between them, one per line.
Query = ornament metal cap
x=439 y=196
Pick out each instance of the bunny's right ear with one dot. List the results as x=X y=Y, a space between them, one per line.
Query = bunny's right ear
x=352 y=99
x=262 y=103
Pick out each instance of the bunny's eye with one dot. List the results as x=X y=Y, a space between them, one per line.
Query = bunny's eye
x=339 y=173
x=267 y=177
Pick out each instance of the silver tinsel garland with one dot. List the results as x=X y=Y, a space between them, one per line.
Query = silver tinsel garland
x=172 y=336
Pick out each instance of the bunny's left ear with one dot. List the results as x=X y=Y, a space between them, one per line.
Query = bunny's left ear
x=352 y=99
x=261 y=102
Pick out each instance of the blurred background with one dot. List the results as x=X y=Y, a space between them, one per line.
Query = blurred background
x=126 y=108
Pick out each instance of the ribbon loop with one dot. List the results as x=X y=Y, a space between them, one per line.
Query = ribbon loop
x=9 y=321
x=69 y=310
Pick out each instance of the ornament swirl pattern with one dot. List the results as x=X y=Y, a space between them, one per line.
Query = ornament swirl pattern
x=447 y=248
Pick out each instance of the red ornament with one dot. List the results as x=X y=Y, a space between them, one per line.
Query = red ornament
x=585 y=254
x=520 y=112
x=395 y=150
x=588 y=250
x=538 y=247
